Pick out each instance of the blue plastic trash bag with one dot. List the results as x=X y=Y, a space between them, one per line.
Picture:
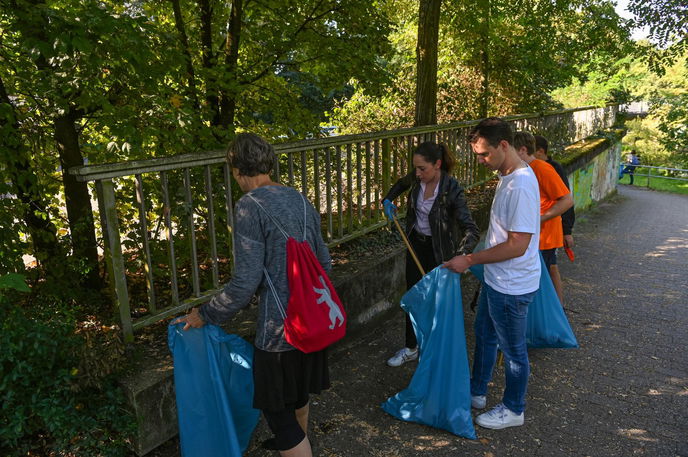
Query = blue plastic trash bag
x=547 y=325
x=439 y=393
x=213 y=380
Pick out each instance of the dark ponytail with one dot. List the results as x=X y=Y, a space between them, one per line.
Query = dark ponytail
x=432 y=152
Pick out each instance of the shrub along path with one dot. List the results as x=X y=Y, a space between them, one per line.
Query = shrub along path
x=623 y=393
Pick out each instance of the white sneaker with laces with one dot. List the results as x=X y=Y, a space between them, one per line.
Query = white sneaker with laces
x=402 y=356
x=500 y=417
x=478 y=401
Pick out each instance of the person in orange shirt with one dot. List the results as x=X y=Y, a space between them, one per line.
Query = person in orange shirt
x=568 y=219
x=555 y=199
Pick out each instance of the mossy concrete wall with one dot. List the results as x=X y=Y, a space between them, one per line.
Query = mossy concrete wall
x=370 y=290
x=592 y=166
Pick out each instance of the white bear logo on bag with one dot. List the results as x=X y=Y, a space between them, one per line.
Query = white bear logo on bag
x=335 y=313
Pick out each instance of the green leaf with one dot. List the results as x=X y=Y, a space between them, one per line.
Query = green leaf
x=14 y=281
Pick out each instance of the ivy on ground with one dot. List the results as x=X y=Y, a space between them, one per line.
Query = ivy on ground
x=58 y=395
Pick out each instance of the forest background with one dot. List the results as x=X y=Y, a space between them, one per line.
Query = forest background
x=86 y=81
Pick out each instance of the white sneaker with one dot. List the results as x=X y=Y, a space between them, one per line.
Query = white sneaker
x=402 y=356
x=500 y=417
x=478 y=401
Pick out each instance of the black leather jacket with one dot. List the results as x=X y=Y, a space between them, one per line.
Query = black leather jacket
x=449 y=209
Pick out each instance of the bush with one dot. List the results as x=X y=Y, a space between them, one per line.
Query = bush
x=57 y=392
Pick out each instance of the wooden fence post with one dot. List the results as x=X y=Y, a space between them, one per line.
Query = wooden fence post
x=113 y=246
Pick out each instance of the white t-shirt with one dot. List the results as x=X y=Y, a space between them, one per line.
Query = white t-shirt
x=515 y=208
x=423 y=208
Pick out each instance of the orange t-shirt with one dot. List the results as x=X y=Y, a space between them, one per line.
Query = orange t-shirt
x=552 y=188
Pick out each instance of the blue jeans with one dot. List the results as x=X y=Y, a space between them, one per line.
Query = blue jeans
x=629 y=169
x=501 y=321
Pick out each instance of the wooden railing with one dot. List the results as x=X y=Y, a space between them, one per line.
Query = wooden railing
x=167 y=222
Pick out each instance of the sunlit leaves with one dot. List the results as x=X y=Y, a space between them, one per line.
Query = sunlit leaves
x=525 y=49
x=667 y=21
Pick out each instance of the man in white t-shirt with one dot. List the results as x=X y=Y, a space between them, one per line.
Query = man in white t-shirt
x=512 y=274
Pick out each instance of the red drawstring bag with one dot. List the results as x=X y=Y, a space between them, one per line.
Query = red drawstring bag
x=315 y=317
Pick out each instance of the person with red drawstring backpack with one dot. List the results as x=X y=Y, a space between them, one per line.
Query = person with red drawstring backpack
x=290 y=356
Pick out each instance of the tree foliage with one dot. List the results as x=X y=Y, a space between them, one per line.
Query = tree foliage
x=284 y=50
x=495 y=57
x=63 y=65
x=102 y=81
x=670 y=108
x=667 y=21
x=661 y=137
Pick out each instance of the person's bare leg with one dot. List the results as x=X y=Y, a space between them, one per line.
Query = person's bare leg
x=303 y=449
x=556 y=280
x=302 y=418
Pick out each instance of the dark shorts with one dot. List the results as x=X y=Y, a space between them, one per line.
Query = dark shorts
x=283 y=380
x=549 y=256
x=284 y=425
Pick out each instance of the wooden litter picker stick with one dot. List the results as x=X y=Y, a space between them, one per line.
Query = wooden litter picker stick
x=408 y=245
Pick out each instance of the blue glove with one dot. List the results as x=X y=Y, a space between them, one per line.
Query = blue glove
x=390 y=209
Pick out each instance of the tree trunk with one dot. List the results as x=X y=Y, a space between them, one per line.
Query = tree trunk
x=79 y=212
x=78 y=200
x=485 y=54
x=228 y=97
x=208 y=60
x=15 y=156
x=179 y=23
x=426 y=67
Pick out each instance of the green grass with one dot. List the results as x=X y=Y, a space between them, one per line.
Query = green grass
x=657 y=183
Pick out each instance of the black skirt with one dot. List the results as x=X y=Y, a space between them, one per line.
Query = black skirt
x=283 y=380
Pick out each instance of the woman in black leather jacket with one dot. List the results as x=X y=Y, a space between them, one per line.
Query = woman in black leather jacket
x=438 y=222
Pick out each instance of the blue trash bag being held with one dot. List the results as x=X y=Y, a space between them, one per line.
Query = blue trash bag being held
x=439 y=392
x=213 y=377
x=547 y=325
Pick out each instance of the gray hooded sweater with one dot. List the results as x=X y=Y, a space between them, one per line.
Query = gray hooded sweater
x=260 y=243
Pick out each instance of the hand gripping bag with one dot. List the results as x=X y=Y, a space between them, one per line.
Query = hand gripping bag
x=213 y=379
x=547 y=325
x=315 y=317
x=439 y=392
